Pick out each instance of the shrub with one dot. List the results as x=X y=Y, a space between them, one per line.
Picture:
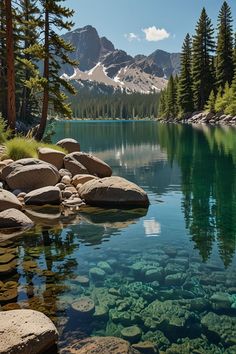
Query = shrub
x=20 y=148
x=5 y=133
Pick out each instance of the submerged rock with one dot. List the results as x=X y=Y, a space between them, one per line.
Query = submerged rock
x=26 y=331
x=223 y=327
x=101 y=345
x=84 y=307
x=97 y=274
x=132 y=334
x=113 y=191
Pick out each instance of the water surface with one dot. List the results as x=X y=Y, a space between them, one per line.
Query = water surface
x=170 y=270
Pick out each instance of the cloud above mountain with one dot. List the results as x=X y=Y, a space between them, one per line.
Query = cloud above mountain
x=154 y=34
x=132 y=37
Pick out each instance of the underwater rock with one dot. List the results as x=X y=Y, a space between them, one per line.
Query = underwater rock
x=105 y=266
x=97 y=274
x=158 y=338
x=168 y=315
x=222 y=301
x=84 y=307
x=82 y=280
x=6 y=258
x=132 y=334
x=176 y=279
x=26 y=331
x=8 y=268
x=173 y=268
x=145 y=347
x=222 y=327
x=101 y=345
x=154 y=274
x=198 y=345
x=101 y=296
x=101 y=313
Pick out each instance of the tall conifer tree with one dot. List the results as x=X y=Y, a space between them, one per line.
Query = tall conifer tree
x=185 y=95
x=56 y=16
x=224 y=50
x=203 y=48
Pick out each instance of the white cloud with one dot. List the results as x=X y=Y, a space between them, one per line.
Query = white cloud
x=132 y=37
x=154 y=34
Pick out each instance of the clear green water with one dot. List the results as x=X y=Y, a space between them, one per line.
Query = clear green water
x=170 y=269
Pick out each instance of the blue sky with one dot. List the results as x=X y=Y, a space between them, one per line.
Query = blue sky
x=142 y=26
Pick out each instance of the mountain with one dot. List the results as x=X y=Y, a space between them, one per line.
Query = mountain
x=100 y=62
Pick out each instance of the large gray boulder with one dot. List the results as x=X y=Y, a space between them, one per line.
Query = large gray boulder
x=113 y=191
x=71 y=145
x=26 y=332
x=82 y=163
x=13 y=218
x=29 y=174
x=42 y=196
x=52 y=156
x=8 y=200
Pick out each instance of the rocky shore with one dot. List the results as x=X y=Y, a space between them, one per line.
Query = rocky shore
x=204 y=118
x=67 y=180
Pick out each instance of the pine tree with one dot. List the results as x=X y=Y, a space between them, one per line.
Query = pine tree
x=210 y=105
x=3 y=63
x=203 y=47
x=11 y=96
x=56 y=51
x=171 y=101
x=162 y=104
x=224 y=50
x=185 y=95
x=28 y=23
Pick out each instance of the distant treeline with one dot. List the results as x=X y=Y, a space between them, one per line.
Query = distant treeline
x=123 y=105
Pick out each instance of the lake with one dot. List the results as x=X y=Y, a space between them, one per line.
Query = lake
x=167 y=272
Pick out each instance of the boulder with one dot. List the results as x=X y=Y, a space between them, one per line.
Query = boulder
x=52 y=156
x=71 y=145
x=42 y=196
x=101 y=345
x=8 y=200
x=82 y=163
x=28 y=174
x=26 y=331
x=113 y=191
x=14 y=218
x=81 y=179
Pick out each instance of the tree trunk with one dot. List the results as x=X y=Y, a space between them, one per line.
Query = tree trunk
x=11 y=91
x=43 y=121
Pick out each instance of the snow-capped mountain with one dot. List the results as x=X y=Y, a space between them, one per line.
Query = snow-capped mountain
x=101 y=63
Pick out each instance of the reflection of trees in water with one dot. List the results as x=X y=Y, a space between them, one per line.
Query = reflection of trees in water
x=206 y=157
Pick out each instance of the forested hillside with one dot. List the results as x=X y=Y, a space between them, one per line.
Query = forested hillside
x=207 y=80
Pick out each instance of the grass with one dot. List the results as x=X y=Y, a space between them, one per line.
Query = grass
x=21 y=147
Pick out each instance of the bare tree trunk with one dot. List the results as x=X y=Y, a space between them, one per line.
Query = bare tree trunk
x=43 y=121
x=11 y=91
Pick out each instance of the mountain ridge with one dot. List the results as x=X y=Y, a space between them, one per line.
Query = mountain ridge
x=100 y=61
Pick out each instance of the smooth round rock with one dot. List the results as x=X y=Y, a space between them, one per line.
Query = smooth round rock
x=8 y=200
x=71 y=145
x=97 y=273
x=84 y=307
x=132 y=334
x=83 y=280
